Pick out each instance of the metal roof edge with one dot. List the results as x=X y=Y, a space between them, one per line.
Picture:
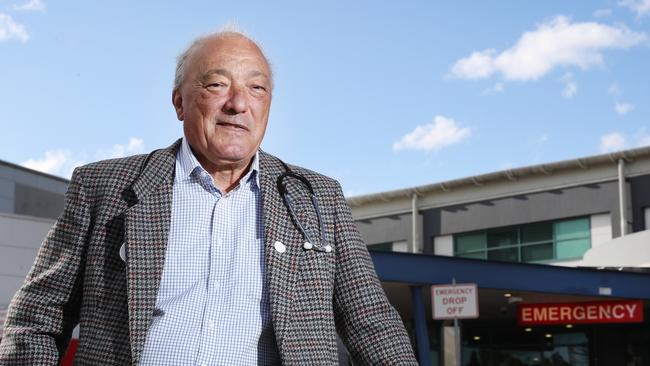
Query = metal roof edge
x=508 y=174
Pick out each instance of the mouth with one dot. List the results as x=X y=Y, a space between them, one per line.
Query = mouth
x=234 y=126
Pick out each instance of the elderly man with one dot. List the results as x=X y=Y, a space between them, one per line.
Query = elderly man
x=208 y=252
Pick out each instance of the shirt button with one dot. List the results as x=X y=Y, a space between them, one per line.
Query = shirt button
x=211 y=324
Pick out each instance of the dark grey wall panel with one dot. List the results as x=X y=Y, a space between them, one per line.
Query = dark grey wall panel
x=556 y=204
x=640 y=192
x=6 y=188
x=37 y=202
x=41 y=181
x=430 y=229
x=385 y=229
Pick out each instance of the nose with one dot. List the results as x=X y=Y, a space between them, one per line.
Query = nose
x=236 y=102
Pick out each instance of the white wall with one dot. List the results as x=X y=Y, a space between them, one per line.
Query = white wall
x=601 y=229
x=401 y=246
x=443 y=245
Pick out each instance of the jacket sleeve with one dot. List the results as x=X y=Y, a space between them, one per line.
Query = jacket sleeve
x=45 y=309
x=369 y=326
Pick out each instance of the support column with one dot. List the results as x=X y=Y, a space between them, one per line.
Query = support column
x=415 y=243
x=622 y=196
x=451 y=348
x=420 y=320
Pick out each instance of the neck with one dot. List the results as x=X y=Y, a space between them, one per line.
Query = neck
x=227 y=177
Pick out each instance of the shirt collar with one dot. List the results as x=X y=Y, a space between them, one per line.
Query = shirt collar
x=189 y=164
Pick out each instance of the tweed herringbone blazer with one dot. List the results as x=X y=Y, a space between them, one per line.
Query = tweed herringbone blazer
x=79 y=278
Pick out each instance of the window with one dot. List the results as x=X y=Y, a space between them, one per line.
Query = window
x=397 y=246
x=537 y=242
x=381 y=247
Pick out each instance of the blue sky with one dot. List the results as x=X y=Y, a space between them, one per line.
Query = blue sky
x=379 y=95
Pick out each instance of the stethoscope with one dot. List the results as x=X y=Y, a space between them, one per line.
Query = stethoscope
x=309 y=244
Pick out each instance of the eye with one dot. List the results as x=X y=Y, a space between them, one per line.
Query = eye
x=215 y=85
x=258 y=89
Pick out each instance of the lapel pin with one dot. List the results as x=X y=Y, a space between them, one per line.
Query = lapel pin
x=123 y=252
x=279 y=247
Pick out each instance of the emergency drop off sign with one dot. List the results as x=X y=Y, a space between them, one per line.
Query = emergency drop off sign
x=458 y=301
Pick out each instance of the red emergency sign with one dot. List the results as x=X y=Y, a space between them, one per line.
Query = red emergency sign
x=581 y=313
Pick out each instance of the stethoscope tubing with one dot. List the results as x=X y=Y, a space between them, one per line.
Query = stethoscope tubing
x=322 y=245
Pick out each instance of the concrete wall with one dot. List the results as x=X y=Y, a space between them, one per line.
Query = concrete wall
x=386 y=229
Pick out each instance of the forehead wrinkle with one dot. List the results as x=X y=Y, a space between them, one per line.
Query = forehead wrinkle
x=210 y=72
x=228 y=74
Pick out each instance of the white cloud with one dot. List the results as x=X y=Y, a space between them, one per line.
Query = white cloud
x=31 y=5
x=134 y=146
x=623 y=108
x=617 y=141
x=478 y=65
x=441 y=132
x=555 y=43
x=52 y=163
x=614 y=141
x=602 y=13
x=570 y=86
x=640 y=7
x=613 y=90
x=62 y=162
x=10 y=29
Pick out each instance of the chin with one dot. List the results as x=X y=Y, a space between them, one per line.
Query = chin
x=237 y=154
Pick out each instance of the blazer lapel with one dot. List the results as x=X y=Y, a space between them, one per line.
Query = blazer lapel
x=282 y=266
x=146 y=233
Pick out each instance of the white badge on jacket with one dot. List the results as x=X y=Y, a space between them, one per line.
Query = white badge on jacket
x=123 y=252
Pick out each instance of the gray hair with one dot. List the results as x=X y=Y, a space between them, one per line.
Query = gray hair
x=229 y=30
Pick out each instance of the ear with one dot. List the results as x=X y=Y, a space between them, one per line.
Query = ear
x=177 y=101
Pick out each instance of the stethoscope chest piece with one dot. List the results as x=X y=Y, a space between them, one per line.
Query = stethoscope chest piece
x=309 y=246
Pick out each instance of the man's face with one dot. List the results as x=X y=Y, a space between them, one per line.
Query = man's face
x=224 y=101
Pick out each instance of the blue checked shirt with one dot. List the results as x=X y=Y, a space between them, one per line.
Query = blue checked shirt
x=213 y=302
